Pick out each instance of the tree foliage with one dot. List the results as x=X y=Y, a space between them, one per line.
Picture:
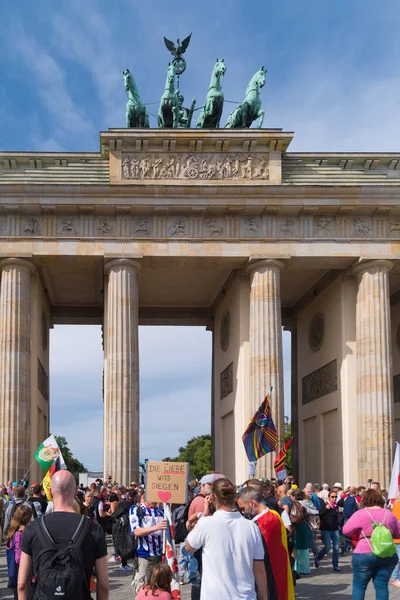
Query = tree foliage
x=73 y=464
x=288 y=435
x=197 y=452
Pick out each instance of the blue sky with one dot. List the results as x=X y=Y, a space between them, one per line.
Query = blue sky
x=333 y=78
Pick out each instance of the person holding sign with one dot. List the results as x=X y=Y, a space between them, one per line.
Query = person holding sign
x=147 y=523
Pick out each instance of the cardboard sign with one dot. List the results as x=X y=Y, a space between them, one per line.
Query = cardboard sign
x=167 y=482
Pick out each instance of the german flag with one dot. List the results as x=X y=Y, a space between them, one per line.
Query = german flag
x=57 y=465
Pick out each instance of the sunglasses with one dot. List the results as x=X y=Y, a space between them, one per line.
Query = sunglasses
x=333 y=496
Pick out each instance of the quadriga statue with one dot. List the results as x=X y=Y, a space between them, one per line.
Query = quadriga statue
x=250 y=109
x=136 y=113
x=210 y=114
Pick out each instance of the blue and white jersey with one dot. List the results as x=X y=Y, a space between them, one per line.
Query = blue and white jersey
x=148 y=545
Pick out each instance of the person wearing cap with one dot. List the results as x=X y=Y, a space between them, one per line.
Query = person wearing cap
x=338 y=488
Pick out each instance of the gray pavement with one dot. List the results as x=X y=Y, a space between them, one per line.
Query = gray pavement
x=321 y=584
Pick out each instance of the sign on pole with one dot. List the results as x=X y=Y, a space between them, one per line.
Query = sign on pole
x=167 y=482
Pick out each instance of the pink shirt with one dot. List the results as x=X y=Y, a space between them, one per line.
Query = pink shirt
x=361 y=523
x=197 y=505
x=159 y=595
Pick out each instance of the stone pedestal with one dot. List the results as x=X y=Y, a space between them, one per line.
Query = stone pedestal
x=266 y=361
x=374 y=373
x=15 y=366
x=121 y=371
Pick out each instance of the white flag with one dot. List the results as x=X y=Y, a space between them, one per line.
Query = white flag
x=395 y=479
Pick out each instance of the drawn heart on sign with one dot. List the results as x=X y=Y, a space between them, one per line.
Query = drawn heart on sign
x=176 y=594
x=170 y=554
x=164 y=496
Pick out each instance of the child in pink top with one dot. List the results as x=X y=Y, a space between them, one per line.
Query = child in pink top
x=21 y=518
x=159 y=585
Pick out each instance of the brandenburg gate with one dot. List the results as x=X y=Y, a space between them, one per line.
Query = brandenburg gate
x=226 y=229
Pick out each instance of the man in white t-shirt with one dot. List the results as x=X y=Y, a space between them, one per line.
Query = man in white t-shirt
x=233 y=553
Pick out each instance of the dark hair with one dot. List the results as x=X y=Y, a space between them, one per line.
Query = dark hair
x=373 y=498
x=224 y=492
x=160 y=579
x=37 y=489
x=19 y=491
x=131 y=493
x=266 y=488
x=299 y=494
x=113 y=497
x=249 y=493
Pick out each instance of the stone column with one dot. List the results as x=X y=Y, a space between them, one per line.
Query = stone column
x=15 y=456
x=375 y=407
x=266 y=360
x=121 y=371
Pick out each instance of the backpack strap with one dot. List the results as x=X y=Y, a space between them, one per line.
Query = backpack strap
x=81 y=531
x=45 y=537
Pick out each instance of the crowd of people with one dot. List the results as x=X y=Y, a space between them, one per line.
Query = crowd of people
x=250 y=542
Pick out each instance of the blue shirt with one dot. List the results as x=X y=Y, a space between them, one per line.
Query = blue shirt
x=148 y=545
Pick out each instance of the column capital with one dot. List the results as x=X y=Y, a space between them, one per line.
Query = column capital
x=17 y=262
x=122 y=262
x=263 y=264
x=372 y=266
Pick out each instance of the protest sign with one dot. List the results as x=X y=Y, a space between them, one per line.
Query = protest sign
x=167 y=482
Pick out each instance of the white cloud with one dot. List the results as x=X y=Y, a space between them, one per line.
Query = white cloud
x=50 y=84
x=175 y=380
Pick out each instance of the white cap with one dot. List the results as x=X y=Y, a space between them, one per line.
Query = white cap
x=339 y=485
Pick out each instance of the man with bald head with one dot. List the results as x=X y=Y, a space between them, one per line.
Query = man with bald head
x=62 y=525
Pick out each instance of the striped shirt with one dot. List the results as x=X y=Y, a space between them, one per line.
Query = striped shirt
x=148 y=545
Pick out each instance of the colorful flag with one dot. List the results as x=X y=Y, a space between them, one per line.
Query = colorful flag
x=260 y=436
x=280 y=461
x=170 y=553
x=47 y=453
x=46 y=483
x=395 y=479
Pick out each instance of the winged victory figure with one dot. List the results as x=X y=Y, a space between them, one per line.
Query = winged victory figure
x=180 y=48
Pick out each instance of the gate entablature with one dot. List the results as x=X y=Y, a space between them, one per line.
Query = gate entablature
x=195 y=156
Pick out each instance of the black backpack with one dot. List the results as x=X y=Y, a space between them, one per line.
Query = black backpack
x=180 y=516
x=60 y=570
x=125 y=542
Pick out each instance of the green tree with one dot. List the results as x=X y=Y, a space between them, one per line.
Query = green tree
x=288 y=435
x=197 y=453
x=73 y=464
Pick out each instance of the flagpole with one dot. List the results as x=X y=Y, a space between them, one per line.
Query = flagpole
x=164 y=538
x=28 y=471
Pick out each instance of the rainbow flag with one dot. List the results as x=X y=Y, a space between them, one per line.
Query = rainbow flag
x=260 y=436
x=279 y=463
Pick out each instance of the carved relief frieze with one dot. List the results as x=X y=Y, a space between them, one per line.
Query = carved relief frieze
x=195 y=166
x=251 y=226
x=177 y=227
x=396 y=388
x=68 y=226
x=141 y=227
x=31 y=226
x=214 y=228
x=319 y=383
x=362 y=226
x=324 y=227
x=42 y=381
x=202 y=226
x=226 y=381
x=287 y=227
x=105 y=226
